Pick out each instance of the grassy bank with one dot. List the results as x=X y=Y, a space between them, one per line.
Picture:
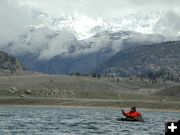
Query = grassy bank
x=85 y=91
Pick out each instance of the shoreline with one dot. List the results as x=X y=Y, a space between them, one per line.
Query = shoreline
x=142 y=105
x=94 y=107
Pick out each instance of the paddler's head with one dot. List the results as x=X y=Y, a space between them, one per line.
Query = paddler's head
x=133 y=109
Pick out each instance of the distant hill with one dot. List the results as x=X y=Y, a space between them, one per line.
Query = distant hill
x=170 y=91
x=152 y=61
x=83 y=64
x=9 y=64
x=81 y=56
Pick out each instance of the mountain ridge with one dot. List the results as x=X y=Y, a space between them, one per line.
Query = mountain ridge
x=153 y=61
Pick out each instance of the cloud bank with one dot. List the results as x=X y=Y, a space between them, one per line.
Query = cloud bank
x=106 y=8
x=13 y=20
x=16 y=16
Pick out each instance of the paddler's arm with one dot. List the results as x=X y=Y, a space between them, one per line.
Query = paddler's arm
x=123 y=113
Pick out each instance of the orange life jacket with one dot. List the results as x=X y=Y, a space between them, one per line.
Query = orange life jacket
x=133 y=114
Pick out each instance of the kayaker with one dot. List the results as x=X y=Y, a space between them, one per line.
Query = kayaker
x=132 y=113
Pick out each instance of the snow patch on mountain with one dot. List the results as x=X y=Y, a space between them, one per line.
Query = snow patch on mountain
x=72 y=35
x=84 y=27
x=79 y=25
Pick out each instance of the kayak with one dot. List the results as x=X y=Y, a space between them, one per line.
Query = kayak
x=130 y=119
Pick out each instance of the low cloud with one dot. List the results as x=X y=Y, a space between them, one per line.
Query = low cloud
x=16 y=16
x=106 y=8
x=168 y=25
x=13 y=20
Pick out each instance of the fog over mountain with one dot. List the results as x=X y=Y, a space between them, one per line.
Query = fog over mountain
x=93 y=29
x=101 y=8
x=81 y=20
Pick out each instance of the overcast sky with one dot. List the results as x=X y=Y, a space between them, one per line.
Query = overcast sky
x=101 y=7
x=16 y=15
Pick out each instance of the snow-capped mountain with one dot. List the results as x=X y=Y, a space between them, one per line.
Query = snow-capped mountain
x=80 y=25
x=83 y=27
x=78 y=43
x=79 y=34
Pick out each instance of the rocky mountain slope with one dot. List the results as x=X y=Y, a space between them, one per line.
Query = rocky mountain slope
x=9 y=64
x=62 y=53
x=151 y=61
x=78 y=43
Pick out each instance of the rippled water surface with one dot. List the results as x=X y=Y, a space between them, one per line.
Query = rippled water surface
x=64 y=121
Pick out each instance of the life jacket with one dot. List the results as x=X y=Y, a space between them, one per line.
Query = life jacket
x=133 y=114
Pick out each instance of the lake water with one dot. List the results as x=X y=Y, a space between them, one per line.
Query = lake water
x=65 y=121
